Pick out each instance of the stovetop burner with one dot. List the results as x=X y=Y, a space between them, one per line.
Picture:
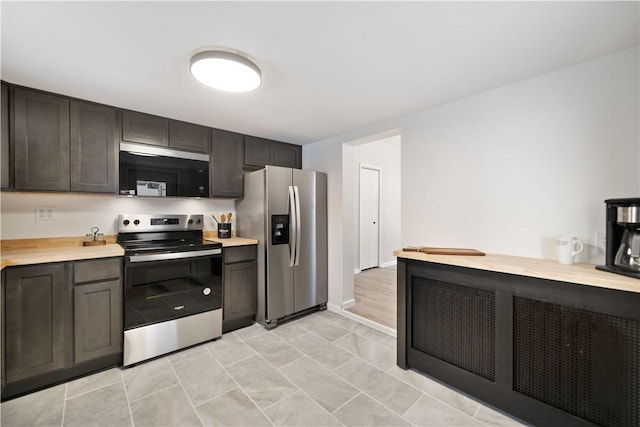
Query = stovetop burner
x=162 y=233
x=176 y=245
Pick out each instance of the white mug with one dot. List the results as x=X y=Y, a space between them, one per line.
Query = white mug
x=568 y=248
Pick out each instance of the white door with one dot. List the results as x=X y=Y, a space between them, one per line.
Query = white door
x=369 y=216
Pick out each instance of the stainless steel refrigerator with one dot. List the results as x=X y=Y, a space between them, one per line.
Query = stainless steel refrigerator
x=286 y=210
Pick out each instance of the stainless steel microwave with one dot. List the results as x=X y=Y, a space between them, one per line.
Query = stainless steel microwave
x=147 y=170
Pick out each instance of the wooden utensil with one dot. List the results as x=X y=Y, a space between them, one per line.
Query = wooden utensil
x=223 y=218
x=229 y=216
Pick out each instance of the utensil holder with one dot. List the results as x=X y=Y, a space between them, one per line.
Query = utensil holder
x=224 y=230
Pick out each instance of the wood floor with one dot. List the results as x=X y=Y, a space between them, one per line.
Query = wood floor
x=375 y=295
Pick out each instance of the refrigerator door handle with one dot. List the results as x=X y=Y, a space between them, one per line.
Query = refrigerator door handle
x=298 y=227
x=293 y=226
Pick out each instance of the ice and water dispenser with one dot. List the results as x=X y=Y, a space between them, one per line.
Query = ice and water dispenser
x=279 y=229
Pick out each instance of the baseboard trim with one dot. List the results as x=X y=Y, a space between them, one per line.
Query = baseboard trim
x=375 y=325
x=356 y=271
x=348 y=303
x=389 y=264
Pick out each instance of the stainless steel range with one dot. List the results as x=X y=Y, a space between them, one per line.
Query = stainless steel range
x=173 y=284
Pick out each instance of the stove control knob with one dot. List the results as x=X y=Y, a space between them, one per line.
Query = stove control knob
x=198 y=221
x=190 y=221
x=136 y=222
x=206 y=291
x=125 y=222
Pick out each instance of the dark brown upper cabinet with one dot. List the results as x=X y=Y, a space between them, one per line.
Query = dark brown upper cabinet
x=226 y=165
x=259 y=152
x=154 y=130
x=94 y=148
x=4 y=131
x=63 y=145
x=187 y=136
x=40 y=141
x=286 y=155
x=145 y=128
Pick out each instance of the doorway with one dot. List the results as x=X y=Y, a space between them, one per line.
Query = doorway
x=369 y=237
x=369 y=293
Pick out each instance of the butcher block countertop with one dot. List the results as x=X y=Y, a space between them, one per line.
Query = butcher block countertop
x=59 y=249
x=584 y=274
x=27 y=256
x=232 y=241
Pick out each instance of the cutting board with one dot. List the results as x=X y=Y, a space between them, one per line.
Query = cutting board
x=444 y=251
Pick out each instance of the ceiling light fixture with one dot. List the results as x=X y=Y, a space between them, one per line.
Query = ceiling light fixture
x=226 y=69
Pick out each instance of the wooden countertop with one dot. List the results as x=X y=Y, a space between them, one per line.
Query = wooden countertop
x=233 y=241
x=27 y=256
x=59 y=249
x=584 y=274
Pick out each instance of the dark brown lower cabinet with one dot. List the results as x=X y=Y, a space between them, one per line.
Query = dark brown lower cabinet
x=97 y=319
x=62 y=320
x=240 y=291
x=37 y=320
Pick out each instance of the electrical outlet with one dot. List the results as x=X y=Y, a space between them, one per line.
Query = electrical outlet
x=45 y=213
x=601 y=239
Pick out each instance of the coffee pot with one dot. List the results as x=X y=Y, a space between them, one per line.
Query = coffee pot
x=622 y=252
x=628 y=254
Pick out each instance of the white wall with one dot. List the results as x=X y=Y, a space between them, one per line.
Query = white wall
x=384 y=154
x=77 y=213
x=508 y=169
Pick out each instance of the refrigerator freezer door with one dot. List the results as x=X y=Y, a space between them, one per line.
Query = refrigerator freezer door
x=279 y=275
x=310 y=274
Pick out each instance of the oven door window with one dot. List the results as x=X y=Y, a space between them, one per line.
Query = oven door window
x=165 y=290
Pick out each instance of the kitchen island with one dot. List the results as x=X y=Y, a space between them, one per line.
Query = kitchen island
x=549 y=343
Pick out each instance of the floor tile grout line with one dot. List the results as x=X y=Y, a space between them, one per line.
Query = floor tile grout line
x=360 y=391
x=90 y=391
x=376 y=400
x=248 y=395
x=64 y=404
x=185 y=392
x=346 y=403
x=126 y=395
x=476 y=411
x=154 y=392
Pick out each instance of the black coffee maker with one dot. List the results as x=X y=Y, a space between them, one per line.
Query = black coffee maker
x=623 y=237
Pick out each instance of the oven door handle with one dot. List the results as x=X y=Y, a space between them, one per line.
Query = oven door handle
x=173 y=255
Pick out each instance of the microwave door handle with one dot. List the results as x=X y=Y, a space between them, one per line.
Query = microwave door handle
x=298 y=225
x=292 y=227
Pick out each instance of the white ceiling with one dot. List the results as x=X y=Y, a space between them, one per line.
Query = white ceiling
x=328 y=67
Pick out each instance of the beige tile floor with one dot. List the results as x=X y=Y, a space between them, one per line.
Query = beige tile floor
x=320 y=370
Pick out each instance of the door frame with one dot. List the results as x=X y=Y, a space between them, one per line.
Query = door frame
x=379 y=170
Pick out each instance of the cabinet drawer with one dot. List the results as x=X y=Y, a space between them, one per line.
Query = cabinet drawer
x=98 y=269
x=239 y=254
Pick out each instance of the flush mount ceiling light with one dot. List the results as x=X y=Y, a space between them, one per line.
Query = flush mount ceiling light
x=226 y=69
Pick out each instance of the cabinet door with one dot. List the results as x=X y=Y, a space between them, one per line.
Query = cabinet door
x=4 y=131
x=257 y=151
x=240 y=290
x=93 y=148
x=187 y=136
x=37 y=320
x=145 y=128
x=286 y=155
x=97 y=320
x=40 y=141
x=227 y=159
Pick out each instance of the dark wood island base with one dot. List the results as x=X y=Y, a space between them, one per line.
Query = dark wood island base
x=547 y=351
